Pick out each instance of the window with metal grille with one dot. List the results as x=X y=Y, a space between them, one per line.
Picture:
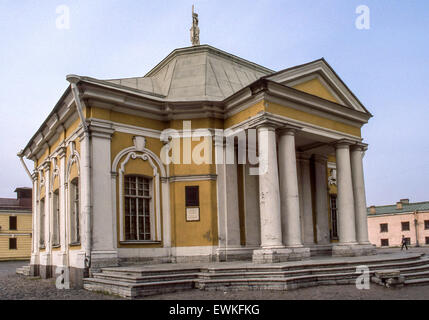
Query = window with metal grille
x=384 y=227
x=137 y=208
x=13 y=244
x=426 y=224
x=56 y=218
x=75 y=211
x=192 y=195
x=384 y=242
x=408 y=241
x=42 y=224
x=405 y=226
x=427 y=240
x=13 y=223
x=334 y=220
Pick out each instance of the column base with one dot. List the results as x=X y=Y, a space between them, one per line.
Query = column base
x=352 y=250
x=101 y=259
x=233 y=253
x=280 y=255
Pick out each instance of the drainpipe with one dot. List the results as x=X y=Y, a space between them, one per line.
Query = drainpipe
x=86 y=170
x=21 y=156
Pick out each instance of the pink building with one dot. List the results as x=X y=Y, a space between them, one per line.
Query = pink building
x=387 y=224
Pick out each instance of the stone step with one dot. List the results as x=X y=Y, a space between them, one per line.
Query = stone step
x=416 y=275
x=419 y=281
x=135 y=281
x=24 y=270
x=132 y=278
x=133 y=271
x=129 y=290
x=240 y=273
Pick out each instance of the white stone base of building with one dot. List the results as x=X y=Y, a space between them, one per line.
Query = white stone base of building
x=234 y=254
x=280 y=254
x=352 y=250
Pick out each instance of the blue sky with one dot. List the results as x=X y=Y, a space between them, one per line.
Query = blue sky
x=387 y=66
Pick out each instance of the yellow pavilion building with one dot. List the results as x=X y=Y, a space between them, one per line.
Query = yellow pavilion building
x=167 y=167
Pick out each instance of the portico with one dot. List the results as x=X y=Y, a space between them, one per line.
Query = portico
x=292 y=189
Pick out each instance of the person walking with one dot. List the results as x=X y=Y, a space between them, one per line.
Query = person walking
x=404 y=243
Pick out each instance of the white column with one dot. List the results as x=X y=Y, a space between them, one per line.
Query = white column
x=63 y=204
x=306 y=202
x=103 y=247
x=321 y=194
x=48 y=244
x=269 y=191
x=359 y=194
x=251 y=208
x=291 y=224
x=346 y=214
x=232 y=223
x=85 y=196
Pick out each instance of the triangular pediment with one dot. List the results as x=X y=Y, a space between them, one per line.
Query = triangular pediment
x=319 y=79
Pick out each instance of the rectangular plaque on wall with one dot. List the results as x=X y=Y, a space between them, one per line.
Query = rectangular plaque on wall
x=192 y=214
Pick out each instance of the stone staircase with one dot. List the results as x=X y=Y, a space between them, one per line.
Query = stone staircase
x=24 y=270
x=139 y=281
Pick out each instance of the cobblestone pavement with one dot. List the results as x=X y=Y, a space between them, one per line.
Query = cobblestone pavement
x=15 y=287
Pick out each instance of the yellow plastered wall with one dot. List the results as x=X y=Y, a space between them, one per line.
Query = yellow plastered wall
x=312 y=119
x=23 y=250
x=24 y=225
x=292 y=113
x=315 y=87
x=196 y=233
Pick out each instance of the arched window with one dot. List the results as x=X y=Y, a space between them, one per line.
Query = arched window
x=74 y=211
x=137 y=205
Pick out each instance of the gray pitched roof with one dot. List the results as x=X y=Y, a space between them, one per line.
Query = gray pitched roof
x=200 y=73
x=391 y=209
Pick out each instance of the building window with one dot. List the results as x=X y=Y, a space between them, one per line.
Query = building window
x=427 y=240
x=13 y=225
x=137 y=208
x=408 y=241
x=42 y=224
x=426 y=224
x=75 y=211
x=192 y=195
x=334 y=227
x=384 y=227
x=405 y=226
x=384 y=242
x=13 y=244
x=56 y=218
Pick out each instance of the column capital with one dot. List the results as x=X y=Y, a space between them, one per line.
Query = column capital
x=62 y=151
x=101 y=130
x=35 y=175
x=359 y=147
x=289 y=130
x=266 y=127
x=46 y=165
x=343 y=143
